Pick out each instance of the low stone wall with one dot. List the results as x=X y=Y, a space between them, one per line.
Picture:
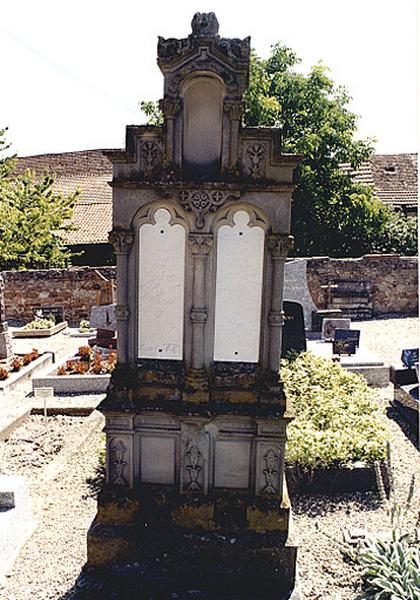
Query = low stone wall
x=394 y=286
x=394 y=280
x=76 y=290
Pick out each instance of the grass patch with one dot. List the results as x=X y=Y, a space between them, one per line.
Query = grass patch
x=337 y=419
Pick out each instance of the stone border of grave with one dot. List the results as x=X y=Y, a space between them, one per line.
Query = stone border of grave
x=359 y=477
x=71 y=384
x=25 y=373
x=30 y=333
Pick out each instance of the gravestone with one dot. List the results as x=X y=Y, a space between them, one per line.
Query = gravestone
x=6 y=351
x=296 y=288
x=347 y=335
x=294 y=339
x=330 y=325
x=195 y=412
x=103 y=319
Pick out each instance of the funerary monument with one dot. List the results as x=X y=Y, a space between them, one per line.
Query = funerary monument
x=195 y=414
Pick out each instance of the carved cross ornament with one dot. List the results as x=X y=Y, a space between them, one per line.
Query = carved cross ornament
x=200 y=202
x=121 y=239
x=280 y=244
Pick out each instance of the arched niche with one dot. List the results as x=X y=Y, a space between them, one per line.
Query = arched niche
x=202 y=127
x=239 y=288
x=161 y=281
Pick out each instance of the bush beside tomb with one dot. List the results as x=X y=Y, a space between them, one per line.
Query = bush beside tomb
x=337 y=426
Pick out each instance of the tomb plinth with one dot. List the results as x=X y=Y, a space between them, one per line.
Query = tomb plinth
x=195 y=413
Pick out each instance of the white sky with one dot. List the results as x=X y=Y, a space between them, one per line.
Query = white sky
x=72 y=73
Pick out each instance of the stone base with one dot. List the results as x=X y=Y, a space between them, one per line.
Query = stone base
x=234 y=537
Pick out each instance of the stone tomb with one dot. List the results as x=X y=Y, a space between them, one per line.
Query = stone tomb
x=195 y=414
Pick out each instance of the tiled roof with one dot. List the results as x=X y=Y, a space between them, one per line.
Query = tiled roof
x=88 y=171
x=394 y=177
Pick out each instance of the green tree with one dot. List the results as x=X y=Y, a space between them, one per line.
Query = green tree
x=33 y=218
x=331 y=214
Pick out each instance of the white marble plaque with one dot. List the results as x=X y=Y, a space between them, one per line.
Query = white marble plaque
x=157 y=460
x=232 y=464
x=240 y=256
x=161 y=280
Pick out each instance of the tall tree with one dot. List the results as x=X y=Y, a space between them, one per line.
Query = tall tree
x=33 y=218
x=331 y=214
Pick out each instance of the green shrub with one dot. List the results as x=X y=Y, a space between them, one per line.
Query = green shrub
x=337 y=419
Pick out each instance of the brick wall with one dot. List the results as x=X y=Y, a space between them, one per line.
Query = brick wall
x=76 y=290
x=394 y=286
x=394 y=280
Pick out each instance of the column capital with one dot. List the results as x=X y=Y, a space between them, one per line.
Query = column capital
x=200 y=243
x=279 y=245
x=121 y=239
x=170 y=107
x=234 y=108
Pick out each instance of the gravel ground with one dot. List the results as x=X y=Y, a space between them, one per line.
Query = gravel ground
x=65 y=506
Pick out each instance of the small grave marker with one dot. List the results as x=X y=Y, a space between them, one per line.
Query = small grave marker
x=330 y=325
x=45 y=393
x=347 y=335
x=409 y=357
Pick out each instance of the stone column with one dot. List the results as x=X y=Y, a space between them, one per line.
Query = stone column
x=122 y=240
x=199 y=244
x=6 y=351
x=279 y=245
x=234 y=110
x=170 y=108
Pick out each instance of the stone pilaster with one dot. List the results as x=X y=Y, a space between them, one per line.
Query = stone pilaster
x=235 y=111
x=279 y=245
x=170 y=108
x=200 y=245
x=122 y=240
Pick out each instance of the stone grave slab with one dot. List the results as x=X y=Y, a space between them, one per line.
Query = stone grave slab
x=16 y=523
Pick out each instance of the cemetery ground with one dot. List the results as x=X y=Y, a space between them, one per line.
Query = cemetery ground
x=61 y=467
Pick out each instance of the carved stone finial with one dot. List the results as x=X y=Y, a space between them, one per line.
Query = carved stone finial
x=280 y=244
x=121 y=239
x=204 y=25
